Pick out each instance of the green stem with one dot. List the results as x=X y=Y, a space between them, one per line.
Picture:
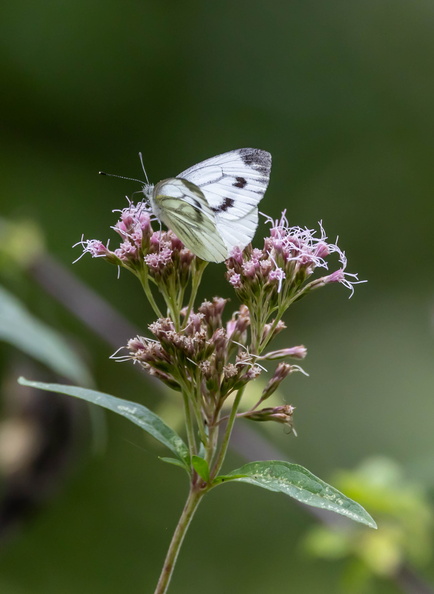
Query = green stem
x=212 y=442
x=196 y=279
x=193 y=500
x=257 y=321
x=143 y=277
x=172 y=307
x=189 y=423
x=226 y=437
x=192 y=406
x=273 y=326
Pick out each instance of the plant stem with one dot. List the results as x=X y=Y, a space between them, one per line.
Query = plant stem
x=227 y=435
x=189 y=423
x=193 y=500
x=196 y=279
x=143 y=278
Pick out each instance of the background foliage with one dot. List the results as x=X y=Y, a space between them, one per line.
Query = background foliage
x=341 y=94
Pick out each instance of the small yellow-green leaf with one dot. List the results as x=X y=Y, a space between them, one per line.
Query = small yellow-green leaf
x=201 y=467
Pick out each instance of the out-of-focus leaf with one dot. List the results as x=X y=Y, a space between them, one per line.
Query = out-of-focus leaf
x=403 y=508
x=19 y=328
x=299 y=483
x=136 y=413
x=21 y=242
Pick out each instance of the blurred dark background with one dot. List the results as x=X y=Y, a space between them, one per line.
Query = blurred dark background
x=342 y=95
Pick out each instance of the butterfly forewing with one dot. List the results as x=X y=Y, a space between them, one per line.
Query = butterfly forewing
x=182 y=207
x=233 y=184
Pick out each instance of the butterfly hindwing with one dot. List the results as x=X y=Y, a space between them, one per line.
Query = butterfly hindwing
x=182 y=207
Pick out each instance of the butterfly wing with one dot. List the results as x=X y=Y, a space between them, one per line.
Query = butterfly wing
x=182 y=207
x=233 y=184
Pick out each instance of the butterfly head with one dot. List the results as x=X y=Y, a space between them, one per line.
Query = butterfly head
x=148 y=190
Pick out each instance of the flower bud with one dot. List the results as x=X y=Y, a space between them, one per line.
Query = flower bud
x=282 y=370
x=252 y=373
x=165 y=378
x=220 y=342
x=297 y=352
x=231 y=375
x=212 y=312
x=279 y=414
x=277 y=275
x=236 y=257
x=237 y=326
x=234 y=279
x=97 y=249
x=268 y=328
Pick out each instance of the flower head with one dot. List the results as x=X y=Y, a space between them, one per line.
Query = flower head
x=203 y=349
x=281 y=270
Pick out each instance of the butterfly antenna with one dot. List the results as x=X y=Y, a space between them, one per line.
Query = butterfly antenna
x=143 y=167
x=121 y=177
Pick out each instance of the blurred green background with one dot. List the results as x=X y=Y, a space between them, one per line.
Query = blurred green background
x=342 y=95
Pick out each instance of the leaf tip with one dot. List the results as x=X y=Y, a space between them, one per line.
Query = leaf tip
x=372 y=523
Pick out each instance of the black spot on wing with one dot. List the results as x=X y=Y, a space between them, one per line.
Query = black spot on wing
x=224 y=206
x=240 y=183
x=257 y=159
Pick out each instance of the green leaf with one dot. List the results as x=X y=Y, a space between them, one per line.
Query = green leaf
x=136 y=413
x=201 y=467
x=299 y=483
x=25 y=332
x=225 y=478
x=175 y=462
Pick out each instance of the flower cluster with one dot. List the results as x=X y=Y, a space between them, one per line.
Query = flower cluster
x=160 y=252
x=288 y=259
x=155 y=257
x=193 y=350
x=270 y=279
x=210 y=355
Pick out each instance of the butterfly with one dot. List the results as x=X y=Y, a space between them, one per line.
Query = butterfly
x=213 y=206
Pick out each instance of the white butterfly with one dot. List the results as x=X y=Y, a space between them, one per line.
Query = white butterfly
x=213 y=206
